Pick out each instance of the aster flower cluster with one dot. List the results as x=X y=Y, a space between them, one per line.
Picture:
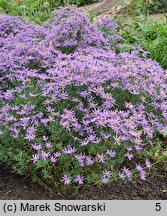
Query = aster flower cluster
x=70 y=29
x=109 y=28
x=70 y=106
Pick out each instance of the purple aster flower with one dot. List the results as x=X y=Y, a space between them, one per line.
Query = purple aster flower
x=101 y=158
x=84 y=142
x=35 y=158
x=50 y=109
x=66 y=179
x=143 y=175
x=16 y=131
x=111 y=153
x=76 y=126
x=89 y=161
x=44 y=138
x=105 y=135
x=104 y=180
x=129 y=156
x=40 y=115
x=106 y=173
x=80 y=158
x=79 y=179
x=97 y=140
x=30 y=136
x=57 y=154
x=45 y=121
x=8 y=95
x=148 y=163
x=127 y=172
x=15 y=136
x=139 y=168
x=129 y=148
x=122 y=175
x=48 y=145
x=69 y=150
x=31 y=129
x=36 y=147
x=33 y=95
x=53 y=159
x=44 y=155
x=51 y=119
x=91 y=137
x=138 y=148
x=117 y=140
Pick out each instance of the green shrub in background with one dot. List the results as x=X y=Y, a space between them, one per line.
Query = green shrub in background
x=159 y=6
x=157 y=46
x=8 y=7
x=137 y=7
x=144 y=7
x=150 y=36
x=79 y=2
x=36 y=10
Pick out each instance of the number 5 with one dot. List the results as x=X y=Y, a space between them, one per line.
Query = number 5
x=158 y=207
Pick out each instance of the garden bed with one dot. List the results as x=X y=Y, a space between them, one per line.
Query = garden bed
x=75 y=125
x=19 y=187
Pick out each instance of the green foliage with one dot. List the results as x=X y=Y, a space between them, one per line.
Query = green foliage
x=150 y=35
x=8 y=7
x=78 y=2
x=36 y=10
x=138 y=31
x=145 y=7
x=158 y=6
x=137 y=7
x=158 y=153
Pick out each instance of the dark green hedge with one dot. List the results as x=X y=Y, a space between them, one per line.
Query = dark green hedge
x=79 y=2
x=159 y=6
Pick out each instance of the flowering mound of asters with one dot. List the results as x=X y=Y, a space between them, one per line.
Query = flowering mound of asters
x=72 y=110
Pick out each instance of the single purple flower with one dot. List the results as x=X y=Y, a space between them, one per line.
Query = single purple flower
x=139 y=168
x=57 y=154
x=84 y=142
x=89 y=161
x=104 y=180
x=80 y=158
x=44 y=155
x=30 y=136
x=79 y=179
x=127 y=172
x=48 y=145
x=69 y=150
x=111 y=153
x=53 y=159
x=66 y=179
x=45 y=121
x=35 y=158
x=143 y=175
x=129 y=156
x=148 y=164
x=122 y=175
x=44 y=138
x=101 y=158
x=36 y=147
x=106 y=173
